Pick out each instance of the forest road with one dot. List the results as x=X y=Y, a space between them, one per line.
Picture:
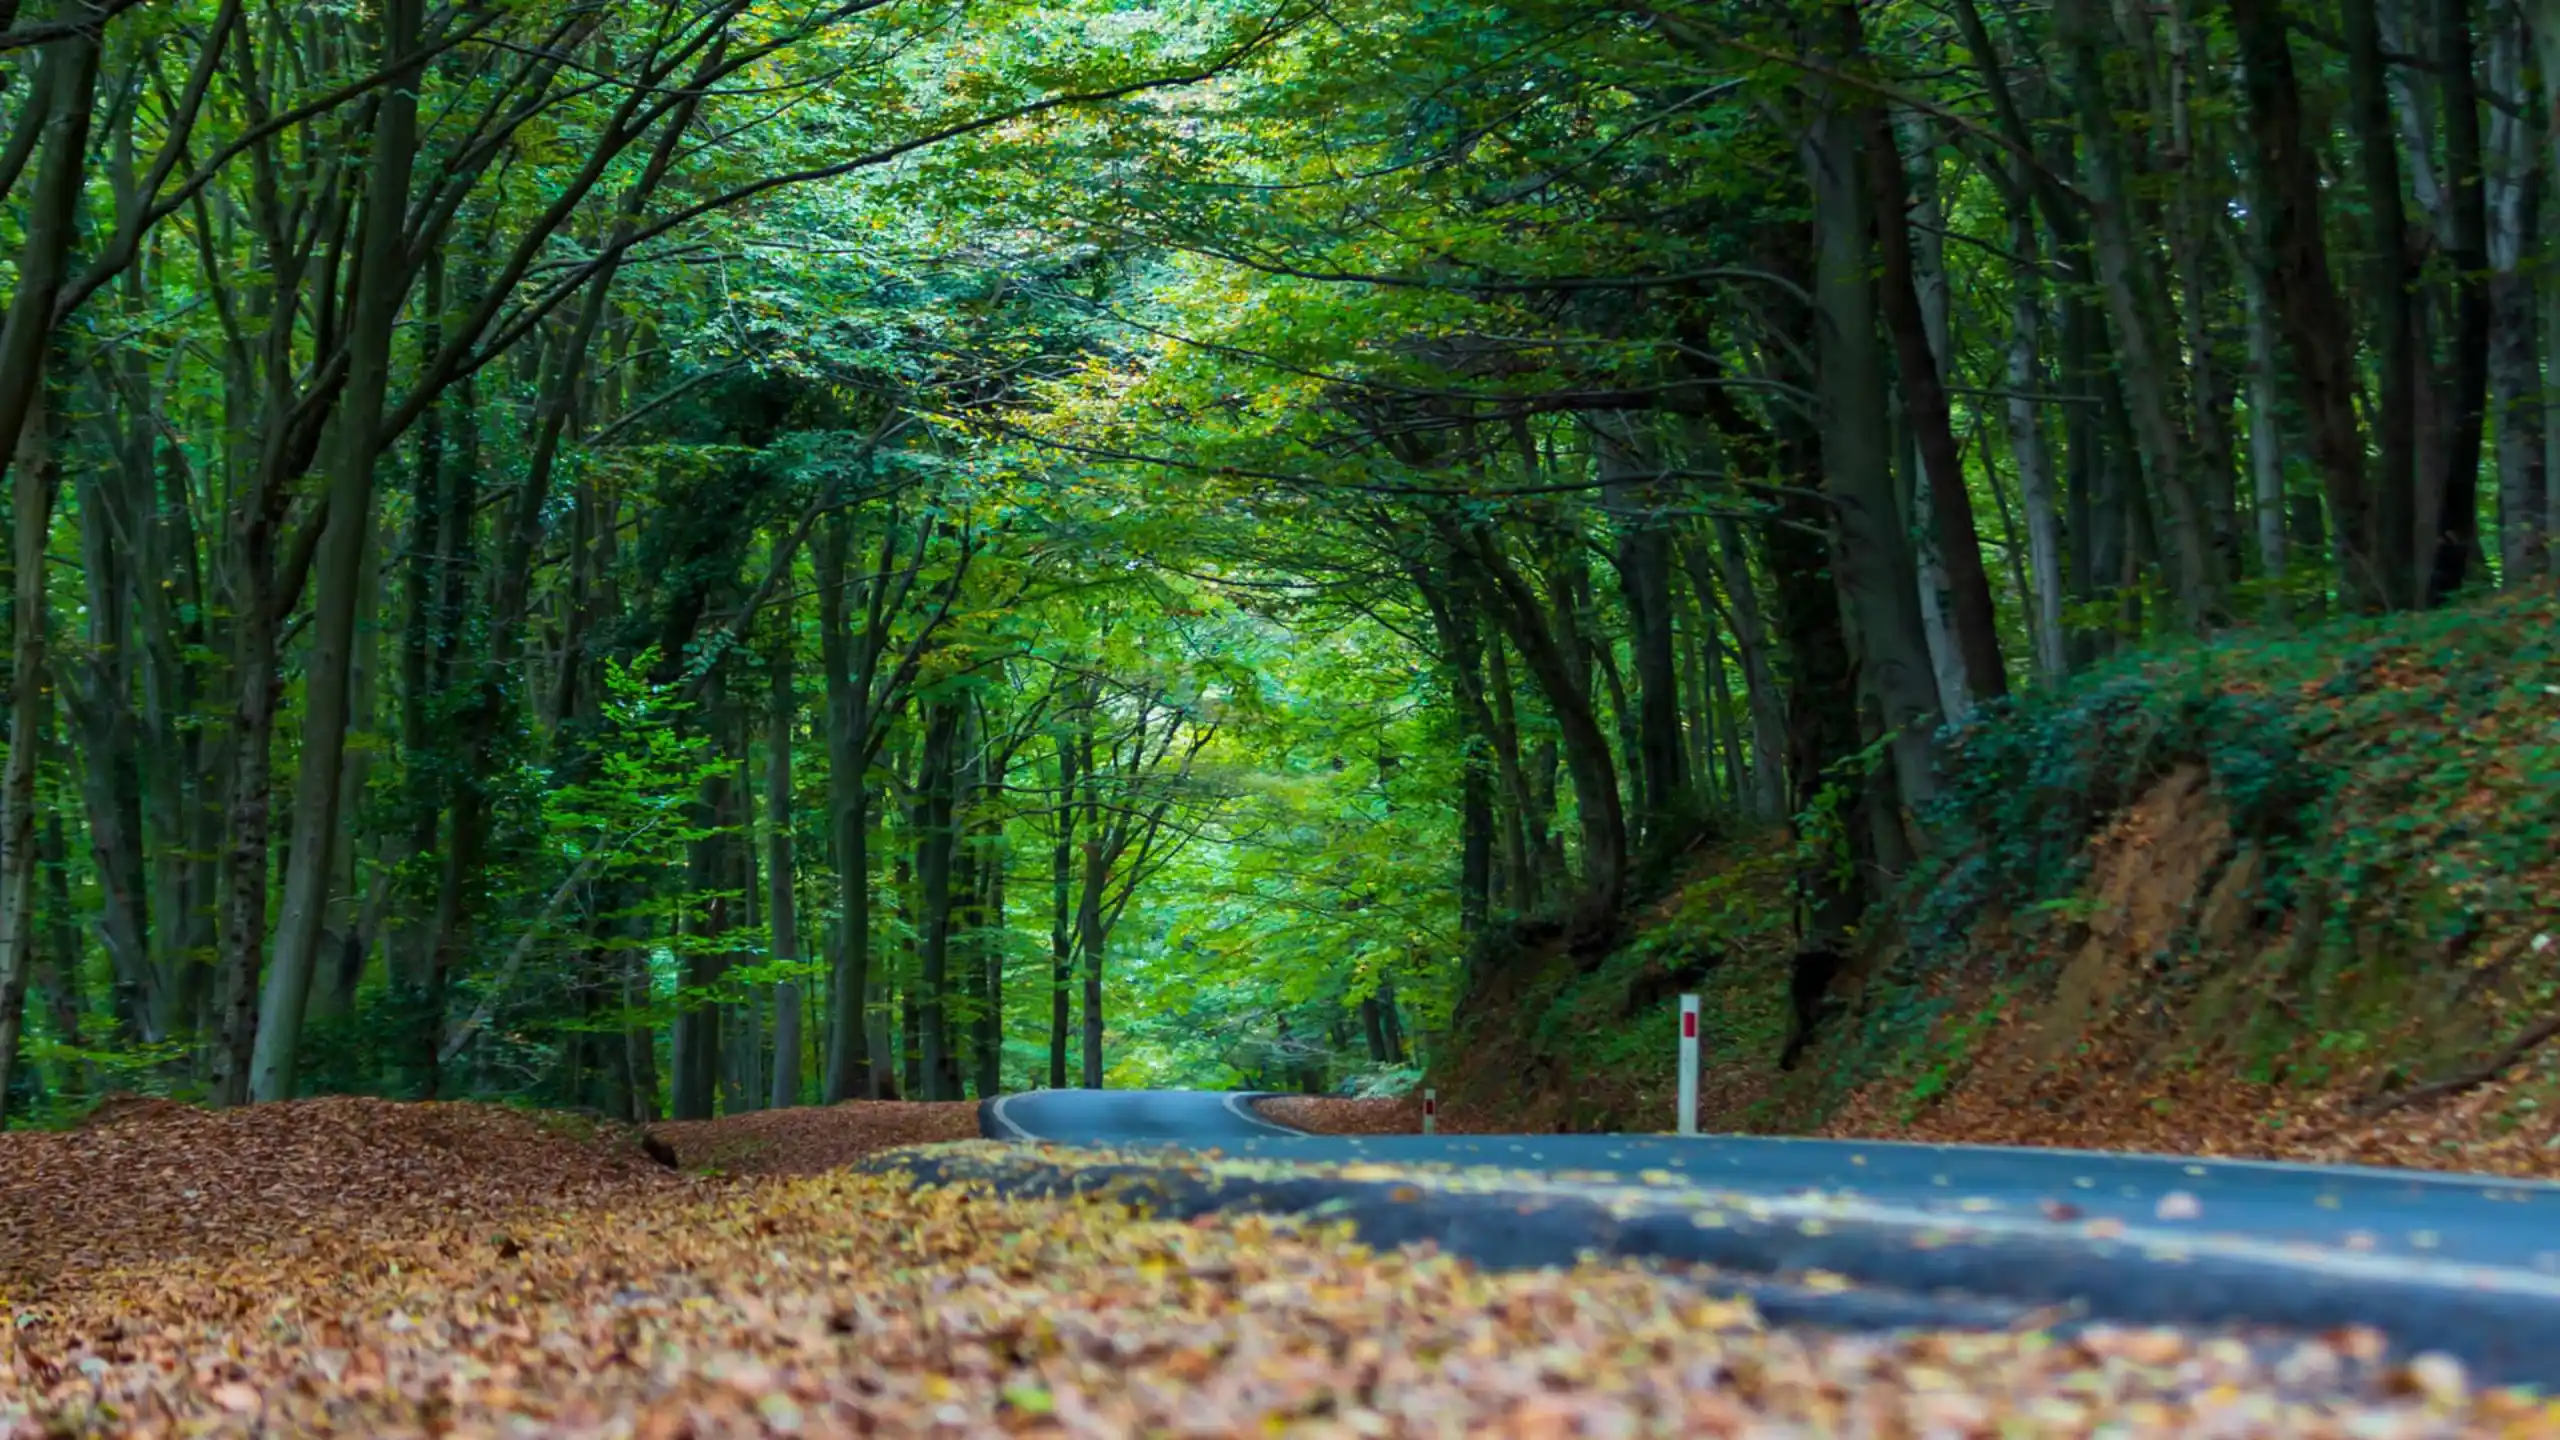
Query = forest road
x=2465 y=1263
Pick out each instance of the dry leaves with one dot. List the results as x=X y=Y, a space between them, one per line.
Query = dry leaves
x=619 y=1299
x=805 y=1141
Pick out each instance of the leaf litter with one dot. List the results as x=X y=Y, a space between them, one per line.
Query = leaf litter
x=356 y=1267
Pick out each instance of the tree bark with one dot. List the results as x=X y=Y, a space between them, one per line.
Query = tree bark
x=2027 y=447
x=782 y=906
x=2457 y=522
x=1872 y=561
x=2305 y=302
x=379 y=287
x=1924 y=410
x=2133 y=288
x=2372 y=531
x=1062 y=940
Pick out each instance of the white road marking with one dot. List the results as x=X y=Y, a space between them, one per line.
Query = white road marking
x=1242 y=1107
x=1006 y=1121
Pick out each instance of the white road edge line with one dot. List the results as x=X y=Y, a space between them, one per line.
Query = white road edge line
x=1242 y=1106
x=1006 y=1120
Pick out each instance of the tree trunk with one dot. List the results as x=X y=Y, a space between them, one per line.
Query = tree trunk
x=2266 y=444
x=2305 y=303
x=782 y=905
x=1731 y=562
x=1924 y=410
x=2133 y=288
x=852 y=1070
x=1090 y=934
x=2372 y=530
x=936 y=775
x=1586 y=746
x=1873 y=560
x=1644 y=582
x=1062 y=941
x=2515 y=366
x=2027 y=447
x=379 y=286
x=2456 y=534
x=30 y=696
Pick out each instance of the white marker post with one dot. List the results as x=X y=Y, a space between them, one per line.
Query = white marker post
x=1430 y=1111
x=1688 y=1064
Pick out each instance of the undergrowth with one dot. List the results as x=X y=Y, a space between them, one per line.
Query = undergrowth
x=2394 y=782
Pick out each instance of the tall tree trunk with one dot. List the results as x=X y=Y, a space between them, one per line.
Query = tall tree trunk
x=1873 y=561
x=2266 y=444
x=2134 y=291
x=1062 y=939
x=380 y=284
x=2515 y=363
x=1731 y=562
x=2305 y=302
x=30 y=698
x=69 y=87
x=2372 y=530
x=1091 y=935
x=988 y=950
x=2027 y=447
x=1924 y=410
x=852 y=1069
x=1644 y=582
x=936 y=775
x=1550 y=655
x=782 y=905
x=2456 y=534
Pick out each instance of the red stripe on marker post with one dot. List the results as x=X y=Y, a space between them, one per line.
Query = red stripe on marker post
x=1430 y=1111
x=1688 y=1064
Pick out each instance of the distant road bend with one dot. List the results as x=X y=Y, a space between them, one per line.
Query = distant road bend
x=2466 y=1261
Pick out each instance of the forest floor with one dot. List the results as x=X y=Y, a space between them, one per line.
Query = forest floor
x=361 y=1267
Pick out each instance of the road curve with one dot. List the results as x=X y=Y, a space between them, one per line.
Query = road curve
x=2474 y=1219
x=2469 y=1264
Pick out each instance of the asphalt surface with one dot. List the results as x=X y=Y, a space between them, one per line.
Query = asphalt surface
x=2469 y=1218
x=2466 y=1263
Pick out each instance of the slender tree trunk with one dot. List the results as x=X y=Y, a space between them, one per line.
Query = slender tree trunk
x=781 y=870
x=1873 y=560
x=1062 y=941
x=2266 y=445
x=2306 y=304
x=934 y=842
x=2372 y=530
x=1644 y=581
x=2456 y=524
x=1091 y=935
x=30 y=697
x=1524 y=832
x=851 y=1068
x=1731 y=561
x=2134 y=290
x=2514 y=350
x=988 y=949
x=2025 y=413
x=1924 y=410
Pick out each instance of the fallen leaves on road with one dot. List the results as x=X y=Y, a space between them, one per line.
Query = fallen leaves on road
x=1337 y=1115
x=509 y=1274
x=807 y=1140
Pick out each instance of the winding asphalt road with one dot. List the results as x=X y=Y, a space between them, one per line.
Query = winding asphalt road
x=2466 y=1261
x=2480 y=1219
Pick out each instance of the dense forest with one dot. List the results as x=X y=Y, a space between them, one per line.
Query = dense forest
x=681 y=556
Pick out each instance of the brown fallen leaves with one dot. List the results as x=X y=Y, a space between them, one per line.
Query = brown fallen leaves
x=808 y=1140
x=629 y=1301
